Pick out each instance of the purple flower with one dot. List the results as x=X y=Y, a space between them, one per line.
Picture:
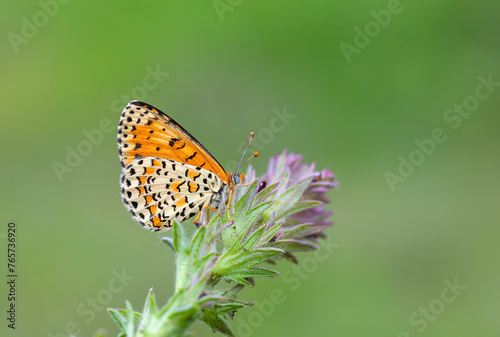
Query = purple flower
x=300 y=194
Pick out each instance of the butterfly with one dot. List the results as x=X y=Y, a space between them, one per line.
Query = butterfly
x=166 y=173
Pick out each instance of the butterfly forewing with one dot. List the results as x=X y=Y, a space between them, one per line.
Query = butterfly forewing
x=166 y=173
x=145 y=131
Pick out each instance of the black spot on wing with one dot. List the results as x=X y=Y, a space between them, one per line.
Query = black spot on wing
x=192 y=156
x=179 y=186
x=172 y=141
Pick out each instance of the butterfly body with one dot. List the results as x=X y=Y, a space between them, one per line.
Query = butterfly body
x=166 y=172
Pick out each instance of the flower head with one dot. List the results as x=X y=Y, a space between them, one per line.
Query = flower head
x=299 y=193
x=288 y=169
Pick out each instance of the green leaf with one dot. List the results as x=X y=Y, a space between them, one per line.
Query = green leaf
x=283 y=182
x=258 y=272
x=238 y=265
x=231 y=306
x=253 y=238
x=197 y=242
x=271 y=232
x=243 y=224
x=149 y=312
x=312 y=230
x=205 y=260
x=287 y=200
x=119 y=318
x=294 y=245
x=217 y=322
x=169 y=242
x=290 y=257
x=266 y=193
x=150 y=308
x=292 y=231
x=243 y=259
x=302 y=205
x=184 y=313
x=241 y=207
x=130 y=318
x=176 y=299
x=243 y=216
x=179 y=240
x=231 y=293
x=244 y=203
x=239 y=280
x=252 y=215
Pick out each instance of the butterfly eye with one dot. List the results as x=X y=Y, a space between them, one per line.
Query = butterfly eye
x=236 y=179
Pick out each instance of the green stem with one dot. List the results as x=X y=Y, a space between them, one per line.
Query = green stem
x=181 y=273
x=183 y=308
x=180 y=312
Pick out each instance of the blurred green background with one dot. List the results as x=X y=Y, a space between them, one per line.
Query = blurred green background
x=231 y=65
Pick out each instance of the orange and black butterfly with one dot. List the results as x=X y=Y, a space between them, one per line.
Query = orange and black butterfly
x=166 y=172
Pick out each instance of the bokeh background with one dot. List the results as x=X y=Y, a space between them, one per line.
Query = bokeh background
x=231 y=65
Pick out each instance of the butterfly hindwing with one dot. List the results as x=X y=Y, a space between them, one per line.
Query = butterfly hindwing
x=157 y=190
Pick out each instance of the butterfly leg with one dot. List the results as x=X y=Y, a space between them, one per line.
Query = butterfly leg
x=209 y=208
x=243 y=177
x=229 y=203
x=204 y=208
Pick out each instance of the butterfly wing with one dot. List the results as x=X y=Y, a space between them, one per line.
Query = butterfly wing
x=166 y=173
x=145 y=131
x=157 y=190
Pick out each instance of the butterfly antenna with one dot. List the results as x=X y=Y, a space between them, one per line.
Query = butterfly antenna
x=246 y=148
x=255 y=154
